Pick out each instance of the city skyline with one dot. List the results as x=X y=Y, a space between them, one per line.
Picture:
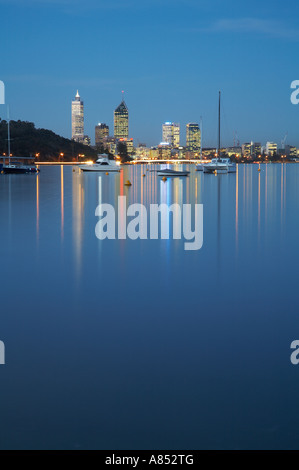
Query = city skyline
x=171 y=134
x=213 y=42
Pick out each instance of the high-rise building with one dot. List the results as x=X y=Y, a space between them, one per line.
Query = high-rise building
x=246 y=149
x=271 y=148
x=171 y=134
x=101 y=134
x=167 y=133
x=176 y=135
x=290 y=151
x=193 y=137
x=121 y=121
x=77 y=119
x=256 y=149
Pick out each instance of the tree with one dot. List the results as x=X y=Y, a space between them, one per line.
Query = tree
x=122 y=152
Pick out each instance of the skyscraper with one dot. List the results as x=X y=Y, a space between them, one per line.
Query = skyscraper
x=167 y=133
x=271 y=148
x=101 y=134
x=77 y=119
x=176 y=135
x=121 y=121
x=193 y=137
x=171 y=134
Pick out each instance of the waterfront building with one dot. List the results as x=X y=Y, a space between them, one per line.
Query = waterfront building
x=164 y=151
x=246 y=150
x=101 y=134
x=153 y=153
x=167 y=133
x=78 y=119
x=230 y=151
x=209 y=152
x=291 y=151
x=171 y=134
x=181 y=153
x=142 y=152
x=129 y=145
x=121 y=121
x=176 y=135
x=256 y=149
x=110 y=145
x=193 y=137
x=271 y=148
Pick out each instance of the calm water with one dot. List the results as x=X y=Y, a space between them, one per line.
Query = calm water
x=122 y=344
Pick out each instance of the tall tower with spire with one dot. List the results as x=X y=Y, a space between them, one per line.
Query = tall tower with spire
x=121 y=121
x=78 y=119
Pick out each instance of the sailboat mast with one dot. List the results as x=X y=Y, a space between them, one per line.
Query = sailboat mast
x=200 y=137
x=219 y=122
x=8 y=132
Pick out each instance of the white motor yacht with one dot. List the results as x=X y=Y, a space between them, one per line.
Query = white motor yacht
x=102 y=164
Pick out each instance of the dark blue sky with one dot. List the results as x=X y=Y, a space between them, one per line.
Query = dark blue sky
x=170 y=57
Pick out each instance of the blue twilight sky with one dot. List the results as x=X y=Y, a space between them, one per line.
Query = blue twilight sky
x=170 y=57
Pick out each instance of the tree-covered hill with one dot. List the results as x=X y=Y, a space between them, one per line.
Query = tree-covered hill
x=27 y=141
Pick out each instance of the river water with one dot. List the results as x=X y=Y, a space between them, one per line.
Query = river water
x=141 y=344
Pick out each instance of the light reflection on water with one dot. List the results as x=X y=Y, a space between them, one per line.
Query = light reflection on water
x=120 y=344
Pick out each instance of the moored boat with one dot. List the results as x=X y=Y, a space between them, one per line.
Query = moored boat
x=19 y=168
x=102 y=164
x=220 y=165
x=170 y=172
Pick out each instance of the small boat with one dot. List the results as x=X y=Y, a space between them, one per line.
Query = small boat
x=169 y=172
x=200 y=166
x=19 y=168
x=220 y=165
x=102 y=164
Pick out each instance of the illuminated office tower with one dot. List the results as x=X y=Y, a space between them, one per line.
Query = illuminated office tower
x=256 y=149
x=121 y=121
x=167 y=133
x=77 y=119
x=101 y=134
x=246 y=149
x=193 y=137
x=176 y=135
x=271 y=148
x=171 y=134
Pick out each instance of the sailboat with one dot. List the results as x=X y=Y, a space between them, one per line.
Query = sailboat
x=219 y=164
x=17 y=166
